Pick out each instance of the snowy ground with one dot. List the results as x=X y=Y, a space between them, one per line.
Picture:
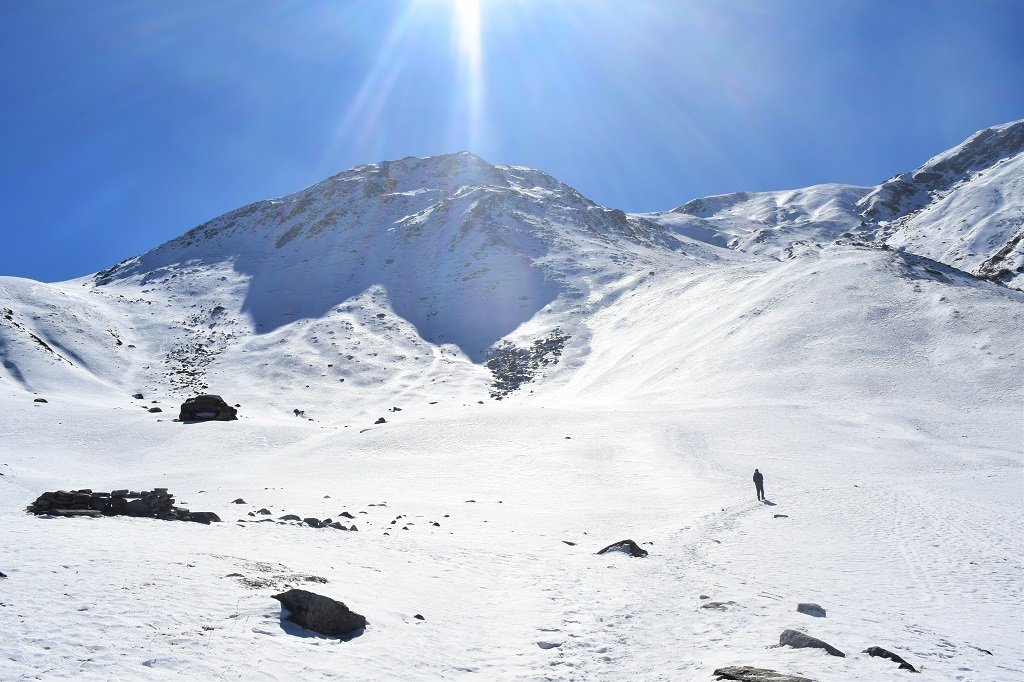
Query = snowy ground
x=910 y=541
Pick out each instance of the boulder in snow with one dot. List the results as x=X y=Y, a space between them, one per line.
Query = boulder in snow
x=811 y=610
x=799 y=640
x=885 y=653
x=206 y=408
x=627 y=546
x=746 y=673
x=319 y=613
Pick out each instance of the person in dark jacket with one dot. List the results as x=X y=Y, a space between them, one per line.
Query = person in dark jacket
x=759 y=484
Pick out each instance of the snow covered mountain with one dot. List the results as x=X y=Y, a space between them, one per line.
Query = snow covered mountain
x=963 y=208
x=495 y=372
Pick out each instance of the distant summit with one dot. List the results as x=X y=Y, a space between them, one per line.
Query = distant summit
x=963 y=208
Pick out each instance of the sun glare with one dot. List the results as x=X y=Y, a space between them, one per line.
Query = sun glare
x=466 y=15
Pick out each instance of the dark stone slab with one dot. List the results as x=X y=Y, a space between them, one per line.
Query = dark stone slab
x=811 y=609
x=800 y=640
x=746 y=673
x=627 y=546
x=320 y=614
x=885 y=653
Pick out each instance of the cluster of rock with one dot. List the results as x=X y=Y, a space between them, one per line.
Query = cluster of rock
x=156 y=503
x=800 y=640
x=310 y=521
x=513 y=366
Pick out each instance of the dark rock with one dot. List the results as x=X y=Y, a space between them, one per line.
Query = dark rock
x=4 y=575
x=346 y=515
x=207 y=408
x=885 y=653
x=138 y=508
x=238 y=501
x=338 y=525
x=381 y=420
x=799 y=640
x=419 y=617
x=40 y=400
x=782 y=516
x=312 y=522
x=628 y=546
x=811 y=610
x=571 y=544
x=319 y=613
x=138 y=396
x=263 y=511
x=201 y=517
x=290 y=517
x=746 y=673
x=718 y=605
x=154 y=410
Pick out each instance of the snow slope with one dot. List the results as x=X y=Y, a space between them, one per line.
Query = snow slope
x=877 y=389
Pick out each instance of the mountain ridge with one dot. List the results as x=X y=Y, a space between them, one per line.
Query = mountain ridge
x=394 y=276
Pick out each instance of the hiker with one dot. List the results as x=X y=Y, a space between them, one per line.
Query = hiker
x=759 y=484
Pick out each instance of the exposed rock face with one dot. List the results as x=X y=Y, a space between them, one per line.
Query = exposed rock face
x=799 y=640
x=513 y=366
x=207 y=408
x=627 y=546
x=746 y=673
x=319 y=613
x=885 y=653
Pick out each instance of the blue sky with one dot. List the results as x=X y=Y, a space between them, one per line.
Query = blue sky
x=127 y=123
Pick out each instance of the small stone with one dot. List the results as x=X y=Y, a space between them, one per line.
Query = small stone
x=419 y=617
x=811 y=610
x=885 y=653
x=40 y=400
x=154 y=410
x=782 y=516
x=238 y=501
x=627 y=546
x=381 y=420
x=138 y=396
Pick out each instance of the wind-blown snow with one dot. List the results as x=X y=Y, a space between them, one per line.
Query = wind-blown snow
x=877 y=388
